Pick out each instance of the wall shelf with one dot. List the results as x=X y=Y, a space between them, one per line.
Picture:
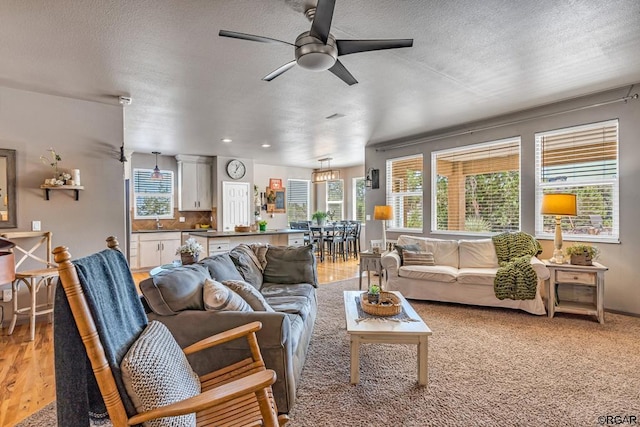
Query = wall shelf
x=75 y=188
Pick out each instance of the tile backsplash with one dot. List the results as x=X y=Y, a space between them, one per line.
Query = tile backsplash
x=191 y=219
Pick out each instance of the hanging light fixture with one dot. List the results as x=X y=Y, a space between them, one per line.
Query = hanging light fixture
x=323 y=175
x=156 y=171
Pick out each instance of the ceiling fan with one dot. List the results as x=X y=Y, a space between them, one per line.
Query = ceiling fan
x=317 y=49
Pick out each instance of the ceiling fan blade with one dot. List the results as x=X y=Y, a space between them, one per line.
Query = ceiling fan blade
x=251 y=37
x=339 y=70
x=345 y=47
x=272 y=75
x=322 y=20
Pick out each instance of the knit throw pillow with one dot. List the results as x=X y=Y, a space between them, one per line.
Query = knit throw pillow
x=417 y=258
x=156 y=373
x=249 y=293
x=218 y=297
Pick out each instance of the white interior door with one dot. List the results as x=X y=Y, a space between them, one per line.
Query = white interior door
x=235 y=204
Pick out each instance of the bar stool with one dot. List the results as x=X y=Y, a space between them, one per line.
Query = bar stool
x=33 y=278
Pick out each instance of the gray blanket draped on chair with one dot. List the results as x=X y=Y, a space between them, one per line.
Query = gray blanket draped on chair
x=120 y=318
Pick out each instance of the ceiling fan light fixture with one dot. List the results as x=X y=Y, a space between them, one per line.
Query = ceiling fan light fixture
x=312 y=54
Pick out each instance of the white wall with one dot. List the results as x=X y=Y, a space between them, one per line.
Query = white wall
x=622 y=290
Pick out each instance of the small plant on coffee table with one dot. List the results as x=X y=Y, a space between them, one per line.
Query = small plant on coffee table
x=373 y=295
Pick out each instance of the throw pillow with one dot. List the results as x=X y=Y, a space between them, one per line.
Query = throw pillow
x=221 y=267
x=288 y=265
x=260 y=250
x=218 y=297
x=249 y=293
x=402 y=248
x=417 y=258
x=175 y=289
x=156 y=373
x=247 y=264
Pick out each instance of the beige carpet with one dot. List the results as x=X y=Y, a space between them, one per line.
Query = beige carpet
x=487 y=367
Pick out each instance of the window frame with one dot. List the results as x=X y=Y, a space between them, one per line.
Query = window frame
x=469 y=149
x=391 y=196
x=335 y=202
x=169 y=196
x=354 y=191
x=613 y=182
x=308 y=201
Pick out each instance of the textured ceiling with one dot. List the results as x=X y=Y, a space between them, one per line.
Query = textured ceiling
x=191 y=88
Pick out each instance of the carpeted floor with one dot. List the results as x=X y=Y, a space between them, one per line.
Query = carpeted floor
x=487 y=367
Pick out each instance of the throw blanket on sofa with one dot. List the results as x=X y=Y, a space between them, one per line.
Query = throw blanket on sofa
x=516 y=278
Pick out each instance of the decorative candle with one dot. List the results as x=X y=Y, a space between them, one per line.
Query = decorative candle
x=75 y=173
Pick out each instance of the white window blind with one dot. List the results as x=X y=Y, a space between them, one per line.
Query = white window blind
x=152 y=198
x=298 y=200
x=582 y=160
x=404 y=192
x=335 y=200
x=358 y=199
x=477 y=188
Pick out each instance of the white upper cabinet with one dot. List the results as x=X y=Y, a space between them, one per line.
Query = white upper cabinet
x=194 y=183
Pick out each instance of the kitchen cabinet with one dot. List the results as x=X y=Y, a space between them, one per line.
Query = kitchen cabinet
x=194 y=183
x=159 y=248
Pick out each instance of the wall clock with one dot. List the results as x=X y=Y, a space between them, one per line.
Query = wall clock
x=236 y=169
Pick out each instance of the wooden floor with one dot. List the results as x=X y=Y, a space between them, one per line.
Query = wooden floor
x=26 y=367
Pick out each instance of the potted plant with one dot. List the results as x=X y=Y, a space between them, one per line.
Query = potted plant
x=263 y=225
x=373 y=295
x=190 y=251
x=320 y=217
x=582 y=254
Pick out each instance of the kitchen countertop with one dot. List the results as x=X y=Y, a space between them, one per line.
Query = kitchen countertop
x=162 y=230
x=215 y=234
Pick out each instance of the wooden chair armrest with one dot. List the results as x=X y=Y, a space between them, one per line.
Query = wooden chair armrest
x=223 y=337
x=223 y=393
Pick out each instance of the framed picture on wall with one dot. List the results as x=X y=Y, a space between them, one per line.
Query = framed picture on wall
x=276 y=200
x=275 y=184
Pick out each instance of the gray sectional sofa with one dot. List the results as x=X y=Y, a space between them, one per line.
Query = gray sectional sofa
x=285 y=276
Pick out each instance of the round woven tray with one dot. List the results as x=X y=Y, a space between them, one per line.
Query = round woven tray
x=389 y=304
x=242 y=228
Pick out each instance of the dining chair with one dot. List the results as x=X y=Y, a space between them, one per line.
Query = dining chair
x=33 y=269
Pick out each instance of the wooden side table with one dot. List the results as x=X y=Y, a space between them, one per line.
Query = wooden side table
x=576 y=275
x=370 y=262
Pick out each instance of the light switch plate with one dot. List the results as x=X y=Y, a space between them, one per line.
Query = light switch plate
x=181 y=219
x=35 y=226
x=6 y=295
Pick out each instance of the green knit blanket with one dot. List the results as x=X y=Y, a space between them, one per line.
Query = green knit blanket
x=516 y=278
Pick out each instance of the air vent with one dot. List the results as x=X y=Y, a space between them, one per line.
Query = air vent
x=334 y=116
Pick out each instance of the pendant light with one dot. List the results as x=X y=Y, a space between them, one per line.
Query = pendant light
x=156 y=171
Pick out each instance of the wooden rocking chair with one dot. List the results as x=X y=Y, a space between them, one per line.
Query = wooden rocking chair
x=238 y=395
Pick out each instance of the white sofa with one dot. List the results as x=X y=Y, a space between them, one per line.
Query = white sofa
x=464 y=272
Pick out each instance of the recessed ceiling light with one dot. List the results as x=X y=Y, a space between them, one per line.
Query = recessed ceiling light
x=266 y=145
x=226 y=140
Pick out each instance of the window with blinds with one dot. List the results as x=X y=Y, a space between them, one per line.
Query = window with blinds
x=335 y=200
x=582 y=160
x=404 y=192
x=298 y=200
x=477 y=188
x=152 y=198
x=358 y=199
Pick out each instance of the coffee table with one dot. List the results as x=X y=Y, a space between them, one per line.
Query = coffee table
x=385 y=331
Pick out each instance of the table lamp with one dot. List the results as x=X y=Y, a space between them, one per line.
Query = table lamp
x=558 y=204
x=383 y=213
